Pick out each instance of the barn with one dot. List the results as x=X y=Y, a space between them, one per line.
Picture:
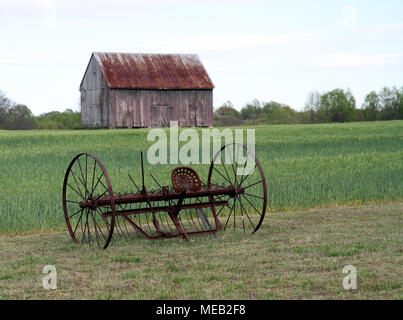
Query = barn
x=133 y=90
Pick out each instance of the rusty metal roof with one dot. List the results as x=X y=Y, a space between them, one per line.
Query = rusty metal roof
x=153 y=71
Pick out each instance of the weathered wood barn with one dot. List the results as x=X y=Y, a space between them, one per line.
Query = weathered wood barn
x=129 y=90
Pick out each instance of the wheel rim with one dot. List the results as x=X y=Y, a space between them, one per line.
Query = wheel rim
x=86 y=179
x=246 y=210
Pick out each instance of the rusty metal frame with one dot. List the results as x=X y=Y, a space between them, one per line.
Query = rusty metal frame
x=187 y=186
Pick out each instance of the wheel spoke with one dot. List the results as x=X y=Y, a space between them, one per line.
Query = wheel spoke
x=251 y=185
x=232 y=165
x=222 y=175
x=246 y=177
x=236 y=165
x=252 y=205
x=88 y=227
x=102 y=216
x=85 y=228
x=251 y=195
x=234 y=212
x=93 y=178
x=243 y=220
x=100 y=196
x=72 y=201
x=118 y=228
x=82 y=175
x=86 y=171
x=85 y=186
x=106 y=188
x=243 y=209
x=100 y=230
x=75 y=213
x=75 y=190
x=95 y=227
x=78 y=186
x=225 y=169
x=229 y=216
x=97 y=183
x=222 y=207
x=78 y=222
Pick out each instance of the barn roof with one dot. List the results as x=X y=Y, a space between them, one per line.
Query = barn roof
x=153 y=71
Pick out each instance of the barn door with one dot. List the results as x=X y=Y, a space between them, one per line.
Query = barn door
x=191 y=116
x=161 y=116
x=164 y=116
x=171 y=115
x=155 y=119
x=200 y=119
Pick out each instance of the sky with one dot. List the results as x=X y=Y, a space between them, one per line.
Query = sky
x=268 y=50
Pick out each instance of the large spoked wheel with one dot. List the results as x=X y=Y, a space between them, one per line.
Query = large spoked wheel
x=86 y=181
x=235 y=165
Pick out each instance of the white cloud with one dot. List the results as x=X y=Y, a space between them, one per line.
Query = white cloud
x=27 y=58
x=382 y=33
x=337 y=60
x=48 y=11
x=227 y=42
x=396 y=27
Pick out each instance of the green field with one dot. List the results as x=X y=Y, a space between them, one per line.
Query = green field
x=306 y=166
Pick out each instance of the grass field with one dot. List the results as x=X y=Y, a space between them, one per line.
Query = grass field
x=306 y=166
x=295 y=255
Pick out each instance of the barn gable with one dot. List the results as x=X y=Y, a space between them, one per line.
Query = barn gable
x=94 y=100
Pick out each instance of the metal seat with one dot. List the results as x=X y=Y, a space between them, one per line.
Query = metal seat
x=185 y=178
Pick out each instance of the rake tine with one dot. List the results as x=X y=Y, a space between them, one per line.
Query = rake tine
x=138 y=189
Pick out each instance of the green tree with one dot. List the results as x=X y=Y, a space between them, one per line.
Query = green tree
x=337 y=106
x=5 y=105
x=252 y=111
x=386 y=96
x=59 y=120
x=284 y=115
x=312 y=105
x=20 y=117
x=227 y=115
x=269 y=107
x=278 y=113
x=371 y=107
x=399 y=102
x=391 y=101
x=227 y=111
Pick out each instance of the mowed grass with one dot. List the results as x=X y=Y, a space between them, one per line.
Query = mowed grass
x=306 y=166
x=295 y=255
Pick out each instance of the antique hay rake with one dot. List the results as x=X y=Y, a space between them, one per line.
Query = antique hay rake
x=188 y=207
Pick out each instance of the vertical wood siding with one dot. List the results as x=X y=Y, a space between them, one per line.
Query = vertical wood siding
x=94 y=97
x=139 y=108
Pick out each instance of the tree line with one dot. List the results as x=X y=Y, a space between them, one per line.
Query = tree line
x=19 y=117
x=337 y=105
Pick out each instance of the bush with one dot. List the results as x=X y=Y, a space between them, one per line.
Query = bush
x=227 y=115
x=59 y=120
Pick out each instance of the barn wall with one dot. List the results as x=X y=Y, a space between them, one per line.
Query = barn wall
x=94 y=97
x=155 y=108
